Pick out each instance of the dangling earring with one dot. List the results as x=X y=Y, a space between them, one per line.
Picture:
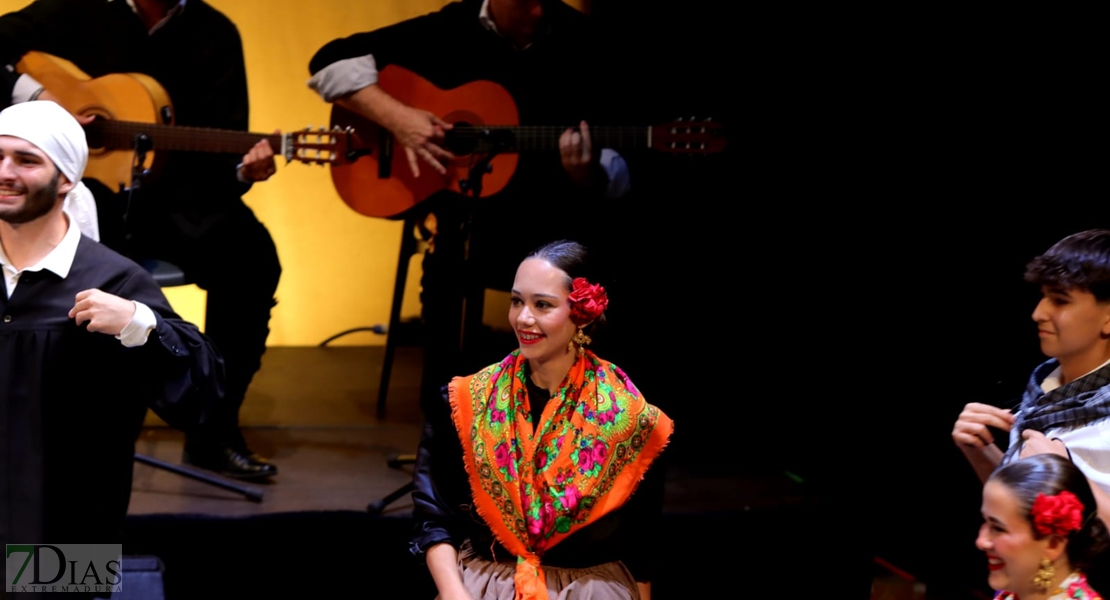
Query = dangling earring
x=579 y=342
x=1045 y=575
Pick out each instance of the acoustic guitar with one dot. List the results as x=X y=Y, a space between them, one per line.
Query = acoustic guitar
x=134 y=119
x=373 y=177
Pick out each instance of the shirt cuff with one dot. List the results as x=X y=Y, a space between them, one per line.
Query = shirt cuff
x=26 y=89
x=138 y=330
x=344 y=77
x=620 y=181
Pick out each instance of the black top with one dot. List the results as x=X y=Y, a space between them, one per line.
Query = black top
x=444 y=506
x=72 y=402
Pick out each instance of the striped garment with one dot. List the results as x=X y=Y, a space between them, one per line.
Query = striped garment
x=1070 y=406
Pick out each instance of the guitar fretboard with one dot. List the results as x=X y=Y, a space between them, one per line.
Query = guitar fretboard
x=522 y=138
x=120 y=135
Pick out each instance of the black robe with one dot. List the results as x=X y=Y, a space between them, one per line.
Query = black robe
x=72 y=402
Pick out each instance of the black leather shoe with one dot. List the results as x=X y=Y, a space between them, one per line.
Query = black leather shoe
x=231 y=463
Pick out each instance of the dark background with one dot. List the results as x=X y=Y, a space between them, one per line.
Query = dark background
x=848 y=274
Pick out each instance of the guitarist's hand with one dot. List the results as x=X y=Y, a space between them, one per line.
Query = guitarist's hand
x=576 y=152
x=421 y=132
x=258 y=162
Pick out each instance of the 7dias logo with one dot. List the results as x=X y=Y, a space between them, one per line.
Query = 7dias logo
x=78 y=568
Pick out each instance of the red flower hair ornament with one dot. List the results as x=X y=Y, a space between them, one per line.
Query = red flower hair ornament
x=587 y=301
x=1057 y=515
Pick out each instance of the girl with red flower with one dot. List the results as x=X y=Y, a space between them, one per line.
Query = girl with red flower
x=1041 y=532
x=567 y=512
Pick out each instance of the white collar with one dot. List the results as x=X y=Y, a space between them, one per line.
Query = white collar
x=1052 y=380
x=487 y=21
x=60 y=259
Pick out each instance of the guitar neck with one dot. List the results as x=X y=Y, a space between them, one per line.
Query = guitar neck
x=523 y=138
x=120 y=135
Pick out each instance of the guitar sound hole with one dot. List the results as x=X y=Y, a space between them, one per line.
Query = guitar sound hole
x=461 y=140
x=94 y=135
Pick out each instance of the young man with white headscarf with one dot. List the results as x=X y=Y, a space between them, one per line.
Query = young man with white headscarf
x=88 y=343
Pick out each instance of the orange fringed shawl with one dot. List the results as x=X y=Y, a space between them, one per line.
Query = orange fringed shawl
x=594 y=443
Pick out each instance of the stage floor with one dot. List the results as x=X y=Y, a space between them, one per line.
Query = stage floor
x=313 y=412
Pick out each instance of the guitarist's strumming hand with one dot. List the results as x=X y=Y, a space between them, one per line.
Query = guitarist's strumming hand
x=258 y=162
x=418 y=131
x=421 y=133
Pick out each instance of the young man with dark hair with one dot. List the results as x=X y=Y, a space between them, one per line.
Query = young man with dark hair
x=1065 y=409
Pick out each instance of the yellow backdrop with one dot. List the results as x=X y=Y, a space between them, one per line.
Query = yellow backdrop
x=338 y=266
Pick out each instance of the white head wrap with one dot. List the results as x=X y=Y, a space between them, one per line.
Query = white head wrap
x=50 y=127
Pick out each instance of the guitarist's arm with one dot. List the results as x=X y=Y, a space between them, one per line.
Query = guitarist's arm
x=44 y=25
x=16 y=88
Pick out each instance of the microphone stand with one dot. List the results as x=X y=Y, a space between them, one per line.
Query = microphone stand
x=497 y=141
x=143 y=145
x=471 y=187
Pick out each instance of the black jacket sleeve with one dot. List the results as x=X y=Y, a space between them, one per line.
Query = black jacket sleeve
x=180 y=371
x=441 y=496
x=8 y=77
x=638 y=537
x=401 y=43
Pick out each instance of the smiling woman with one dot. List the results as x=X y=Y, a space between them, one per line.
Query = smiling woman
x=1041 y=531
x=539 y=476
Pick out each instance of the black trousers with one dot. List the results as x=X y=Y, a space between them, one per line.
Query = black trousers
x=228 y=253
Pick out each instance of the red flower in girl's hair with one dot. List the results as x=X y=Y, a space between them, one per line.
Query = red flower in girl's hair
x=1060 y=514
x=587 y=301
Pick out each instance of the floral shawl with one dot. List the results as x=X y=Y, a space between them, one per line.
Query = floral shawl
x=596 y=438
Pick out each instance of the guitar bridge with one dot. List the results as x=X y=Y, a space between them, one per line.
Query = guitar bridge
x=385 y=161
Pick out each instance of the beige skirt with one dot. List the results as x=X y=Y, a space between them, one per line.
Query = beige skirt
x=488 y=580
